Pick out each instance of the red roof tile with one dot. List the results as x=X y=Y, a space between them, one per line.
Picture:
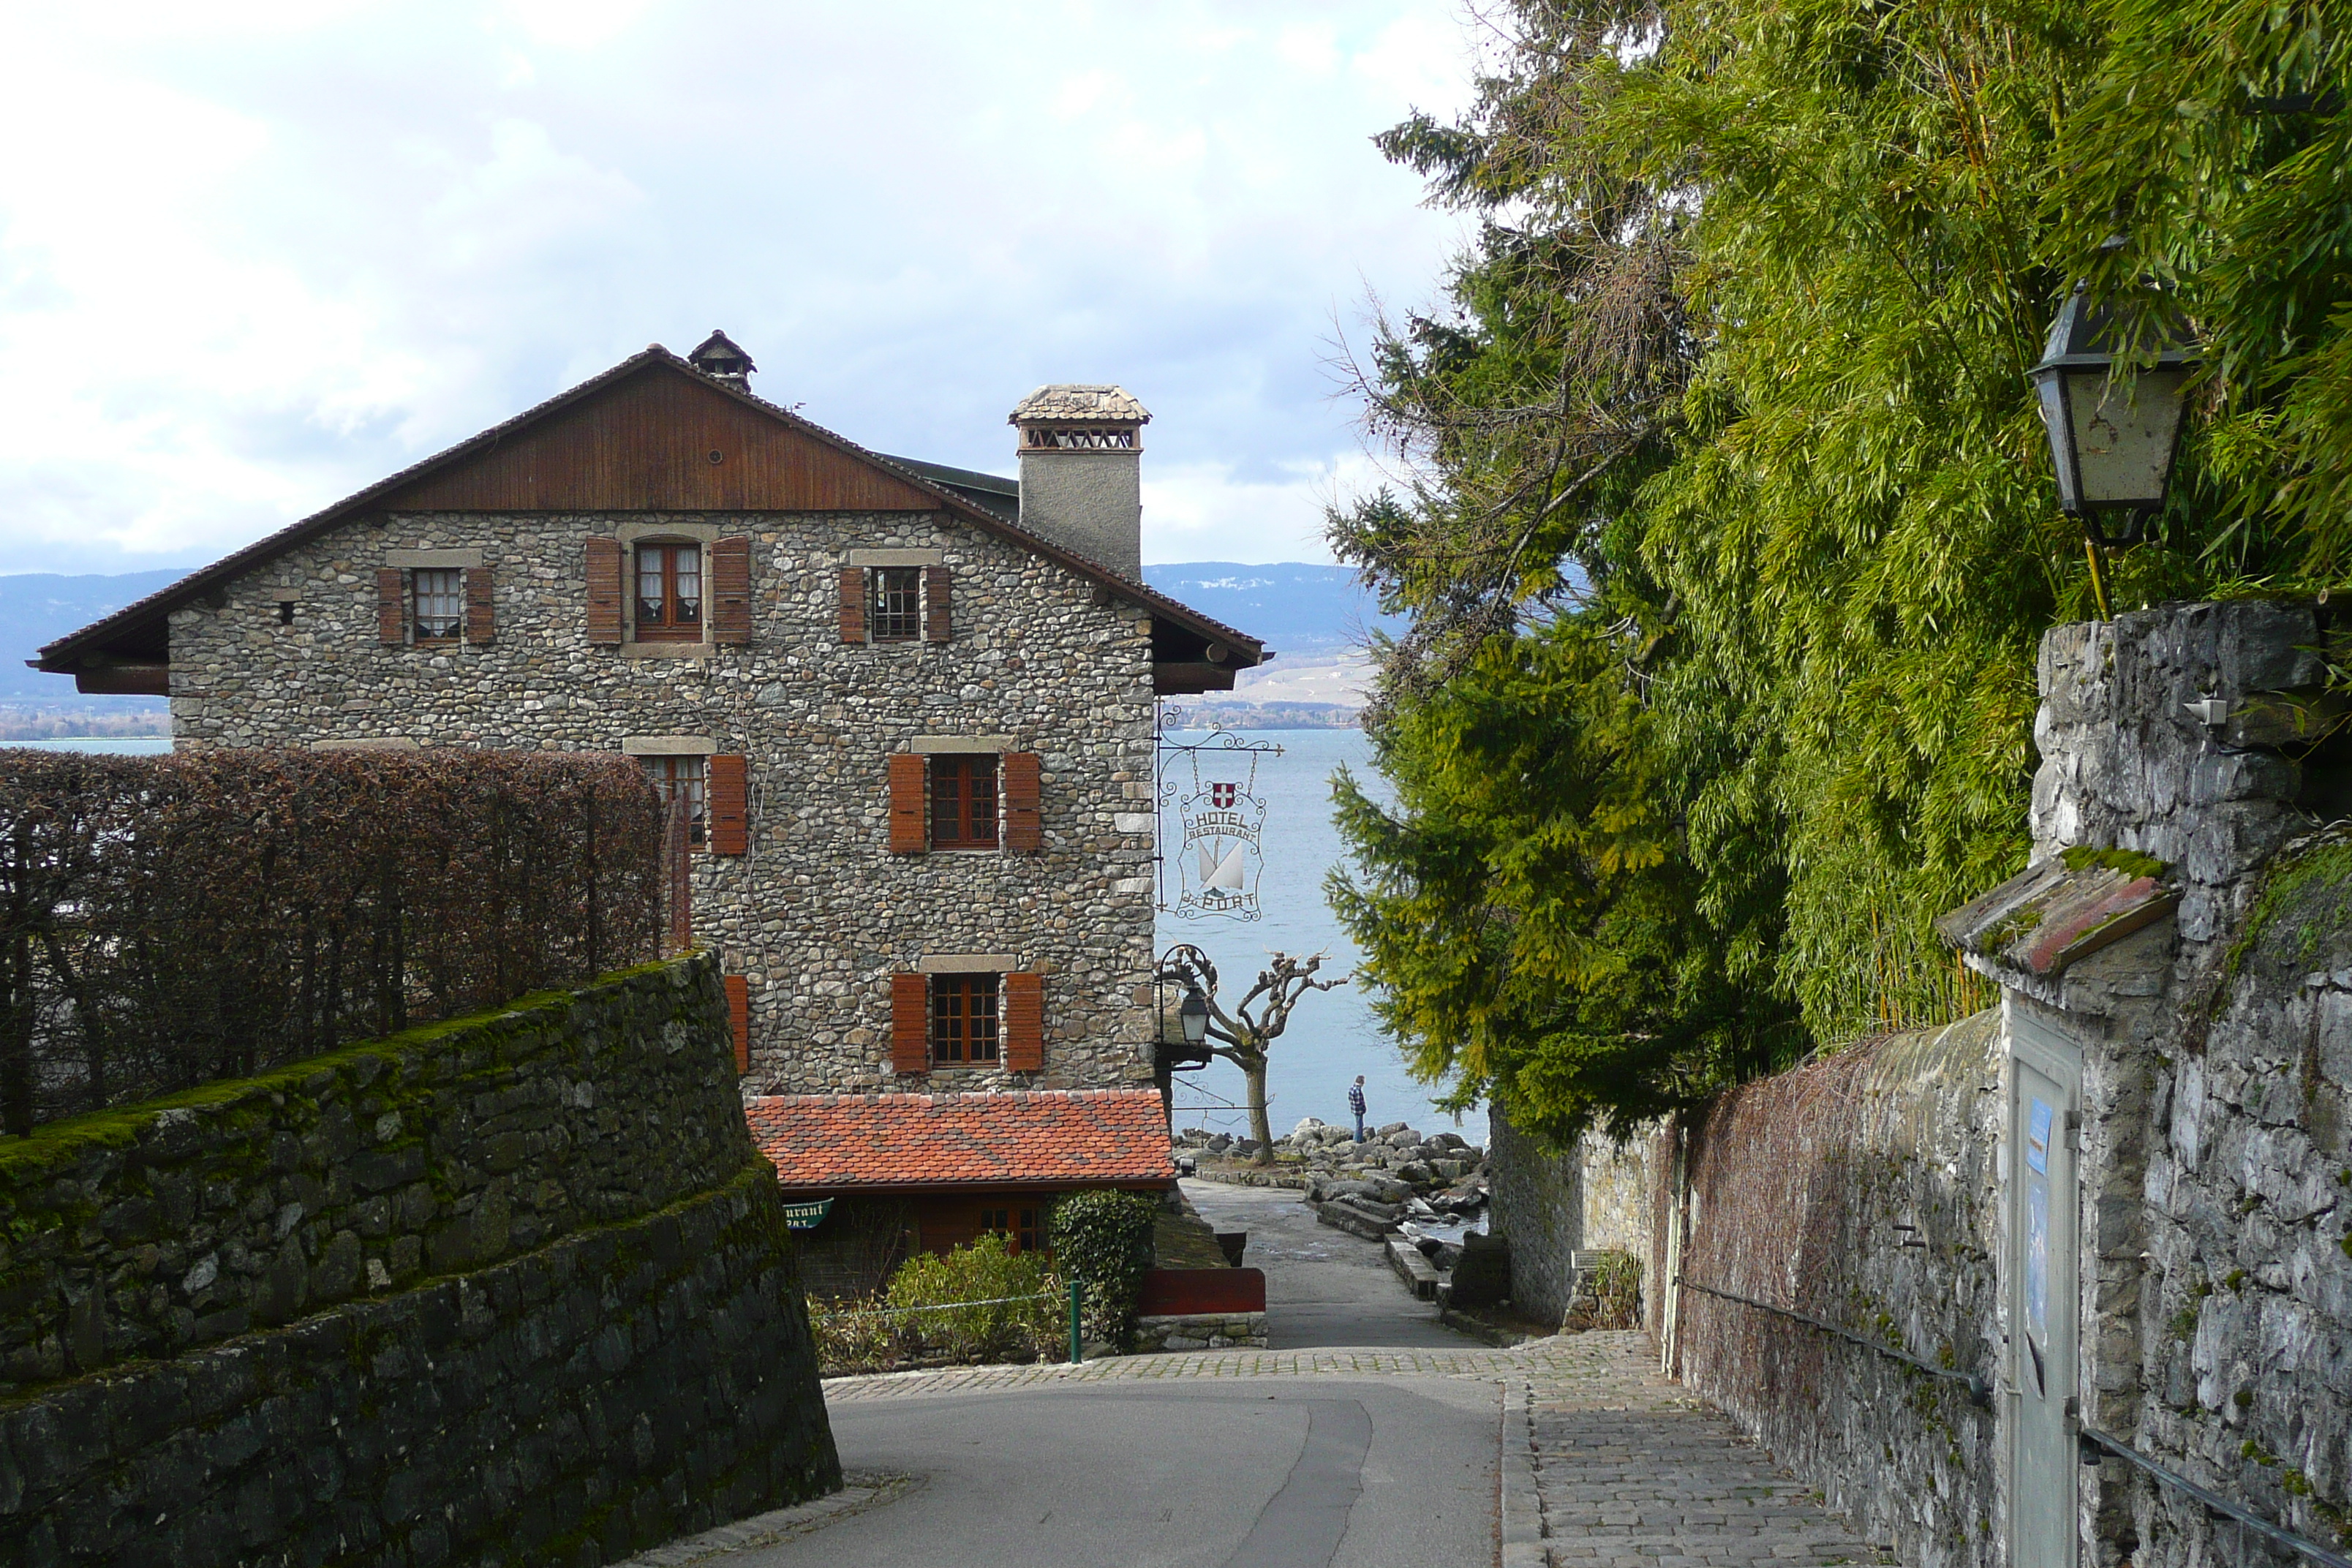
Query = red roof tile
x=1042 y=1136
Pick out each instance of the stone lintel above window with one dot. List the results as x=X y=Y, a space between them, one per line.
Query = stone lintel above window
x=410 y=560
x=668 y=746
x=895 y=558
x=968 y=963
x=949 y=745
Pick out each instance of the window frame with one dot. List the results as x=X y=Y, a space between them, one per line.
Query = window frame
x=1022 y=1225
x=954 y=1019
x=904 y=625
x=664 y=771
x=967 y=823
x=417 y=636
x=669 y=629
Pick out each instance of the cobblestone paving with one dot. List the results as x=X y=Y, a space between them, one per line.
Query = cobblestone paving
x=1604 y=1461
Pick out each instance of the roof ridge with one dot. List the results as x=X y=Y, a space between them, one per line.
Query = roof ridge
x=271 y=546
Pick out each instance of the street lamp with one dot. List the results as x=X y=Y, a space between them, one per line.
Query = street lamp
x=1193 y=1015
x=2113 y=442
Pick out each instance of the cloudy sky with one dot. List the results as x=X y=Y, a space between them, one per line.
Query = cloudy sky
x=256 y=254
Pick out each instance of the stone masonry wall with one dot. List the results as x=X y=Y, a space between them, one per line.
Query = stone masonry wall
x=2243 y=1320
x=1536 y=1200
x=1859 y=1190
x=1551 y=1206
x=153 y=1229
x=595 y=1341
x=820 y=913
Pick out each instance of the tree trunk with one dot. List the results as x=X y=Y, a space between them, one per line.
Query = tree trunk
x=1259 y=1129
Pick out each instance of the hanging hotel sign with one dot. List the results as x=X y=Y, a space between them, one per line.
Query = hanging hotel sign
x=1220 y=825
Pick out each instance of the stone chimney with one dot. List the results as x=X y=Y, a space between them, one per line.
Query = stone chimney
x=720 y=360
x=1079 y=483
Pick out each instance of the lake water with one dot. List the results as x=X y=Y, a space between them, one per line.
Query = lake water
x=1332 y=1035
x=115 y=745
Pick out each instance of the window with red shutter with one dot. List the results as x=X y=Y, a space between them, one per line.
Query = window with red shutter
x=1024 y=818
x=481 y=606
x=603 y=581
x=897 y=606
x=853 y=604
x=1025 y=1022
x=906 y=834
x=439 y=594
x=675 y=777
x=731 y=590
x=938 y=622
x=730 y=809
x=963 y=1019
x=963 y=802
x=391 y=606
x=911 y=1030
x=669 y=599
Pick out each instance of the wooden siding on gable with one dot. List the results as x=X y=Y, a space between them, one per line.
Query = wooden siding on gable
x=644 y=445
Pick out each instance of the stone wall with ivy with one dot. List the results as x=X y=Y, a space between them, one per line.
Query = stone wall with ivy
x=1860 y=1191
x=515 y=1288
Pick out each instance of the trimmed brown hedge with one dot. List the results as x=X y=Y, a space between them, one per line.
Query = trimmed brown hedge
x=168 y=921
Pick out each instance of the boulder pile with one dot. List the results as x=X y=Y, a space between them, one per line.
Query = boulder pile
x=1395 y=1175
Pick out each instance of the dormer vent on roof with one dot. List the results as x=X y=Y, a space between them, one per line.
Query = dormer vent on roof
x=719 y=358
x=1079 y=484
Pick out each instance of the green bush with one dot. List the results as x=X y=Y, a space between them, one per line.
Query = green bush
x=877 y=1334
x=1105 y=1239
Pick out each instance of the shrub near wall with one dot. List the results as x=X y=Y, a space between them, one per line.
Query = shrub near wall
x=166 y=921
x=515 y=1289
x=1859 y=1190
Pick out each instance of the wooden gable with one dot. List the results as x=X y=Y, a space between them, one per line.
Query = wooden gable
x=660 y=440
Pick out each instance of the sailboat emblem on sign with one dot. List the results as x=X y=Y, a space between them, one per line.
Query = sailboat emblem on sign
x=1222 y=822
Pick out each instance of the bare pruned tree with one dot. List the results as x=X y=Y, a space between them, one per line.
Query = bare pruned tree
x=1242 y=1032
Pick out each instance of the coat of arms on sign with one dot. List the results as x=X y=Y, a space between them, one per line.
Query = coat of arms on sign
x=1220 y=825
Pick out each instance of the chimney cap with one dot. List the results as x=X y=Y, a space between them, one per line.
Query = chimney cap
x=718 y=355
x=1072 y=402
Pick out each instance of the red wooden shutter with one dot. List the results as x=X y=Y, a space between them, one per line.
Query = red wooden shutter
x=1024 y=1023
x=938 y=622
x=731 y=589
x=391 y=605
x=604 y=590
x=481 y=609
x=853 y=604
x=910 y=1023
x=739 y=1014
x=730 y=808
x=907 y=826
x=1023 y=803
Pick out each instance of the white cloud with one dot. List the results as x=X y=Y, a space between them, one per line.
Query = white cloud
x=254 y=258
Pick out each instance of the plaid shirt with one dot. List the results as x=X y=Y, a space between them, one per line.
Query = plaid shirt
x=1355 y=1099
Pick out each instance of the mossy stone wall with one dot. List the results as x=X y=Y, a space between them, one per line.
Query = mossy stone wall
x=514 y=1289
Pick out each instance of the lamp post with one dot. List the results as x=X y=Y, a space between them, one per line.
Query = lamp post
x=2112 y=441
x=1185 y=1048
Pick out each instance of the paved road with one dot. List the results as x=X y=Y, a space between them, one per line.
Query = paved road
x=1323 y=1286
x=1368 y=1436
x=1275 y=1473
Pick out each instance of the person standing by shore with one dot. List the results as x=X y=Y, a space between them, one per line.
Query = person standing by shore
x=1356 y=1104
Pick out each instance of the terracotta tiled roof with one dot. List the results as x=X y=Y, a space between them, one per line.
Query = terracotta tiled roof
x=1036 y=1136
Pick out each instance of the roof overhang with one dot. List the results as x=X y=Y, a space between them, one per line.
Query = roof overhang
x=137 y=635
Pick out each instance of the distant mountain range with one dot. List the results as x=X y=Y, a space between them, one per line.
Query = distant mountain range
x=1296 y=608
x=39 y=607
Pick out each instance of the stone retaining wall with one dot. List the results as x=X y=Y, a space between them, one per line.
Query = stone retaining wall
x=594 y=1340
x=1199 y=1331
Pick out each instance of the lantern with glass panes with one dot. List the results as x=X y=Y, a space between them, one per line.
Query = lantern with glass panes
x=1182 y=1040
x=2113 y=439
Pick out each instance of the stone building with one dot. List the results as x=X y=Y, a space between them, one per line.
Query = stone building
x=910 y=706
